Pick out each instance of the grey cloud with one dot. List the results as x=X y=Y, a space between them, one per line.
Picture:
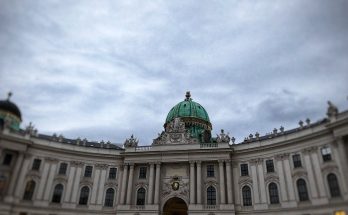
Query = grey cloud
x=107 y=69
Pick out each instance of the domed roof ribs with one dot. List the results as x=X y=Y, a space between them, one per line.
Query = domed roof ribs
x=194 y=116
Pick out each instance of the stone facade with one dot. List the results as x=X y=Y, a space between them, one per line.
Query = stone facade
x=300 y=171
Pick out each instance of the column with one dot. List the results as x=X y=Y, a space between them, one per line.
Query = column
x=255 y=181
x=70 y=182
x=124 y=183
x=101 y=184
x=130 y=184
x=199 y=181
x=157 y=182
x=311 y=179
x=261 y=181
x=95 y=184
x=340 y=156
x=229 y=182
x=43 y=180
x=119 y=182
x=15 y=173
x=150 y=191
x=235 y=167
x=283 y=193
x=317 y=172
x=192 y=182
x=288 y=177
x=222 y=182
x=51 y=175
x=24 y=170
x=76 y=185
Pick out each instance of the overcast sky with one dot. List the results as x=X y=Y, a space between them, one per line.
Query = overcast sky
x=107 y=69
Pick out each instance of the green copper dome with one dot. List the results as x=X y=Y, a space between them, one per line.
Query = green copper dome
x=10 y=113
x=194 y=116
x=188 y=108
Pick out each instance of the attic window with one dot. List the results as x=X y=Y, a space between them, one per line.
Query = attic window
x=184 y=105
x=199 y=107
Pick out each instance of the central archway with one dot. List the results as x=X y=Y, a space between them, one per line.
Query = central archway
x=175 y=206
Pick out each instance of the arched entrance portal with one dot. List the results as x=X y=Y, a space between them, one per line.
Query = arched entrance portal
x=175 y=206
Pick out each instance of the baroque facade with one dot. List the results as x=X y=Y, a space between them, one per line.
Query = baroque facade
x=184 y=171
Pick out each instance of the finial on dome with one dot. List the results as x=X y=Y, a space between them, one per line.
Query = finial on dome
x=9 y=94
x=188 y=96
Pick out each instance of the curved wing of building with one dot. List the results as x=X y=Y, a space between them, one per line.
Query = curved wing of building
x=184 y=171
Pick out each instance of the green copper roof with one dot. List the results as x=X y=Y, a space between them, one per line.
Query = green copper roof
x=188 y=108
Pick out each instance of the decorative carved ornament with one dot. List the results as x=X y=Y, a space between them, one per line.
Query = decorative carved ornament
x=86 y=181
x=245 y=180
x=131 y=142
x=283 y=156
x=175 y=133
x=299 y=172
x=223 y=138
x=256 y=161
x=176 y=187
x=101 y=166
x=271 y=177
x=51 y=160
x=111 y=184
x=76 y=163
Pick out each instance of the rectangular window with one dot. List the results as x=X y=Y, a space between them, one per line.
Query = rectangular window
x=210 y=171
x=88 y=171
x=7 y=160
x=62 y=168
x=112 y=173
x=326 y=153
x=36 y=164
x=244 y=169
x=297 y=161
x=142 y=172
x=269 y=166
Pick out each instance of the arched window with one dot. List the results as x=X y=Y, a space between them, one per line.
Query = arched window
x=29 y=190
x=302 y=190
x=211 y=196
x=333 y=185
x=109 y=197
x=273 y=193
x=84 y=195
x=57 y=193
x=246 y=192
x=141 y=196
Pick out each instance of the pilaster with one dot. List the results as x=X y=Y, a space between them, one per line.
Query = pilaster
x=229 y=182
x=71 y=176
x=157 y=182
x=235 y=168
x=309 y=168
x=95 y=185
x=151 y=178
x=51 y=175
x=222 y=182
x=130 y=183
x=76 y=185
x=43 y=180
x=199 y=182
x=124 y=184
x=283 y=189
x=15 y=173
x=256 y=195
x=192 y=182
x=101 y=184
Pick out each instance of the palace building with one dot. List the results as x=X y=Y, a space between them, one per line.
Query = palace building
x=184 y=171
